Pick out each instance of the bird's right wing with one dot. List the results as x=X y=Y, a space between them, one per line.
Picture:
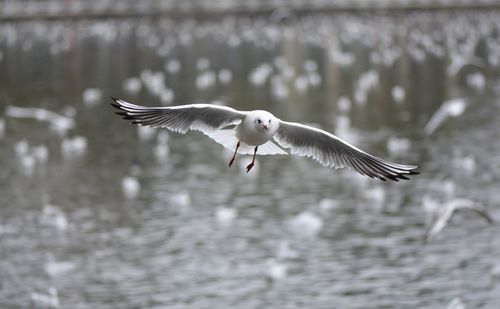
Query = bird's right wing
x=329 y=150
x=206 y=118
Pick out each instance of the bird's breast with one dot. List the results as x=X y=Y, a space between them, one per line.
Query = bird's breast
x=251 y=135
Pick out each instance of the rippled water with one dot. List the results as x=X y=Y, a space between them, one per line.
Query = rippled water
x=191 y=232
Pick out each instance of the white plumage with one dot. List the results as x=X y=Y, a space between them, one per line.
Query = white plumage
x=261 y=133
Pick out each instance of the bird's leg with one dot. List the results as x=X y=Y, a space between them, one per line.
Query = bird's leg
x=234 y=155
x=249 y=166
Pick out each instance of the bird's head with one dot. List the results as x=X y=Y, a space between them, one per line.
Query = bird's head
x=265 y=121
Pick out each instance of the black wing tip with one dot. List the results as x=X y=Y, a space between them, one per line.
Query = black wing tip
x=410 y=172
x=399 y=176
x=126 y=116
x=413 y=170
x=490 y=220
x=122 y=112
x=116 y=103
x=115 y=100
x=393 y=177
x=486 y=215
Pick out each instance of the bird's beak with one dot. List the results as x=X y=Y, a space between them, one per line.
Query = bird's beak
x=265 y=127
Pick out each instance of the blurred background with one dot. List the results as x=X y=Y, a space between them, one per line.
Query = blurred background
x=96 y=213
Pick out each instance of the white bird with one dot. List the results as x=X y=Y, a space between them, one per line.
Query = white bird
x=58 y=122
x=443 y=215
x=41 y=300
x=456 y=303
x=451 y=108
x=458 y=62
x=243 y=130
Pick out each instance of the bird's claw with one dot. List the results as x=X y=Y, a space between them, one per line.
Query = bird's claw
x=249 y=167
x=231 y=162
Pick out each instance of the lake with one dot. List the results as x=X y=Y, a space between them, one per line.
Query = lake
x=97 y=213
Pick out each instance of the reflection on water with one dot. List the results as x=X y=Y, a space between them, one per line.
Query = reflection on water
x=102 y=214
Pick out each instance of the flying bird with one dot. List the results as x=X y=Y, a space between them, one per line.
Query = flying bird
x=451 y=108
x=259 y=132
x=443 y=215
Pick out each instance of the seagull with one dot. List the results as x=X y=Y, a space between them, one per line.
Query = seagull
x=247 y=132
x=41 y=300
x=443 y=215
x=451 y=108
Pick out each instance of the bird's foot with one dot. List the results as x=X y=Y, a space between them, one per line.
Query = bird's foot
x=249 y=167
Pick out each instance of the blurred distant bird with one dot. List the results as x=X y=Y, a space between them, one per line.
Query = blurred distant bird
x=58 y=122
x=442 y=215
x=456 y=303
x=259 y=130
x=41 y=300
x=450 y=108
x=458 y=62
x=281 y=15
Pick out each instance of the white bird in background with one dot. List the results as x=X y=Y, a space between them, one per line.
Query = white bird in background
x=443 y=215
x=451 y=108
x=456 y=303
x=458 y=62
x=41 y=300
x=244 y=131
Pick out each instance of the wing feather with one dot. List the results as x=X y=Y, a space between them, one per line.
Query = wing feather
x=329 y=150
x=202 y=117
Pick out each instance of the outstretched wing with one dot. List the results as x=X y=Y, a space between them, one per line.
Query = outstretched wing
x=202 y=117
x=465 y=204
x=331 y=151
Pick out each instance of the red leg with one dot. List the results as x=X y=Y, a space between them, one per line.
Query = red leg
x=249 y=166
x=234 y=155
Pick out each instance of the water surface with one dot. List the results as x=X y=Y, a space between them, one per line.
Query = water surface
x=290 y=234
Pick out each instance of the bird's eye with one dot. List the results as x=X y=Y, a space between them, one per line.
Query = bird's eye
x=259 y=121
x=269 y=120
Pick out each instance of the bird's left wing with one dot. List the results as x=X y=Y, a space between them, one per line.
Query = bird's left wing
x=461 y=204
x=331 y=151
x=202 y=117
